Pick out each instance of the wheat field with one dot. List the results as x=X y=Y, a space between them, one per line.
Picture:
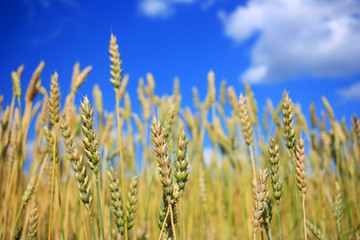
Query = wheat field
x=143 y=175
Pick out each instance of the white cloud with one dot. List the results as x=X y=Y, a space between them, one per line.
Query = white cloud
x=160 y=8
x=297 y=37
x=350 y=93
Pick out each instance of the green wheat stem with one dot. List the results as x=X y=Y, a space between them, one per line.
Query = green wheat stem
x=121 y=159
x=99 y=205
x=61 y=213
x=148 y=198
x=339 y=230
x=92 y=227
x=52 y=181
x=182 y=217
x=279 y=221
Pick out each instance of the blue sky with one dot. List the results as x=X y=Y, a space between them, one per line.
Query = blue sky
x=309 y=47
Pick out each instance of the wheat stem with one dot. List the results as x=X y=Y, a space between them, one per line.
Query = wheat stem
x=52 y=182
x=279 y=221
x=99 y=204
x=164 y=223
x=303 y=204
x=121 y=158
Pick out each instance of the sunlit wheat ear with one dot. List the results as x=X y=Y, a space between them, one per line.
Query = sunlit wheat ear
x=266 y=217
x=168 y=125
x=116 y=70
x=313 y=118
x=288 y=130
x=251 y=104
x=78 y=77
x=300 y=166
x=50 y=144
x=329 y=110
x=247 y=128
x=54 y=101
x=122 y=89
x=222 y=96
x=43 y=117
x=68 y=140
x=33 y=223
x=276 y=181
x=78 y=164
x=29 y=191
x=132 y=201
x=202 y=187
x=211 y=87
x=16 y=85
x=260 y=190
x=338 y=204
x=315 y=230
x=98 y=96
x=115 y=201
x=163 y=158
x=232 y=99
x=181 y=163
x=196 y=100
x=89 y=135
x=12 y=152
x=34 y=84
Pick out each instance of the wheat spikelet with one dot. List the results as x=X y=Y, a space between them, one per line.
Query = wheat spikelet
x=16 y=85
x=122 y=89
x=132 y=201
x=116 y=70
x=338 y=203
x=246 y=125
x=266 y=217
x=33 y=223
x=77 y=162
x=223 y=93
x=78 y=77
x=329 y=110
x=115 y=201
x=29 y=191
x=300 y=166
x=50 y=144
x=89 y=135
x=162 y=157
x=232 y=99
x=98 y=100
x=12 y=153
x=260 y=191
x=54 y=101
x=196 y=99
x=43 y=117
x=276 y=181
x=265 y=119
x=288 y=130
x=313 y=115
x=252 y=105
x=211 y=87
x=171 y=192
x=34 y=84
x=181 y=164
x=316 y=231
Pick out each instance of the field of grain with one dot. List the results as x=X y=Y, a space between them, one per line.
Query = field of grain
x=143 y=175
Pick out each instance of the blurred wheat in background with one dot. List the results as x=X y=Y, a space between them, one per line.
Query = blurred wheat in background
x=142 y=175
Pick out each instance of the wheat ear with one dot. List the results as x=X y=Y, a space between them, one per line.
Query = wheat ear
x=33 y=223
